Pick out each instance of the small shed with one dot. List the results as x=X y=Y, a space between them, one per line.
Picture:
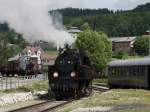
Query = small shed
x=122 y=44
x=74 y=31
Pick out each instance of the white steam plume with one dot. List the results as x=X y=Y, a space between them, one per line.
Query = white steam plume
x=31 y=18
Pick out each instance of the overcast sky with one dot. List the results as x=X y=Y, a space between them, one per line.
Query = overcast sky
x=113 y=4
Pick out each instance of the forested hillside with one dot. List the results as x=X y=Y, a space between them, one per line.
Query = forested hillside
x=143 y=7
x=71 y=12
x=120 y=23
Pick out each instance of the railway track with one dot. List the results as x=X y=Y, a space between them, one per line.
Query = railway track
x=42 y=107
x=100 y=88
x=51 y=105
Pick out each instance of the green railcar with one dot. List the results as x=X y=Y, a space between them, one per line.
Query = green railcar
x=132 y=73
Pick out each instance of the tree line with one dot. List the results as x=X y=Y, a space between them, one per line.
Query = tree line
x=72 y=12
x=115 y=24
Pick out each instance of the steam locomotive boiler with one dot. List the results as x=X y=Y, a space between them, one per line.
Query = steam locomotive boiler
x=71 y=75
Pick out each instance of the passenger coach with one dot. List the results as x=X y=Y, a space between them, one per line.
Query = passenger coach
x=133 y=73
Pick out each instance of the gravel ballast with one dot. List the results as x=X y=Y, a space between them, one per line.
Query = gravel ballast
x=13 y=98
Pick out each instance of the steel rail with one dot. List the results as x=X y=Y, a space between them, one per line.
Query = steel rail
x=100 y=88
x=42 y=107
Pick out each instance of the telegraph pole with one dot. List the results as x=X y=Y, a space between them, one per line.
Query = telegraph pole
x=149 y=41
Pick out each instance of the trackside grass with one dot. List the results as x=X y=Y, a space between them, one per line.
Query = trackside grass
x=115 y=97
x=101 y=81
x=136 y=110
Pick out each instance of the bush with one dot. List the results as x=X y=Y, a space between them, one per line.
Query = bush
x=121 y=55
x=141 y=45
x=97 y=46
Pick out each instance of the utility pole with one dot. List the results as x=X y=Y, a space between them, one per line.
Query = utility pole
x=149 y=41
x=94 y=23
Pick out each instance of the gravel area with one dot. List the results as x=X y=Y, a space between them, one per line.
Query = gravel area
x=16 y=100
x=7 y=108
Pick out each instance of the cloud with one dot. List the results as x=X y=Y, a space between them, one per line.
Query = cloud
x=67 y=3
x=100 y=3
x=129 y=4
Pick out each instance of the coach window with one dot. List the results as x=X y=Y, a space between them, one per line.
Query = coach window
x=127 y=71
x=113 y=71
x=135 y=68
x=140 y=70
x=134 y=71
x=123 y=70
x=118 y=71
x=143 y=70
x=109 y=70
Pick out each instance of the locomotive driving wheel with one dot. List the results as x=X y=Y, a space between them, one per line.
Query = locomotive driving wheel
x=88 y=89
x=77 y=93
x=58 y=97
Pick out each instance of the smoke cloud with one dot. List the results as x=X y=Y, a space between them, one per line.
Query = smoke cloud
x=31 y=18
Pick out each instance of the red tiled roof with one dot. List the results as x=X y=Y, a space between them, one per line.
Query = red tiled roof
x=46 y=56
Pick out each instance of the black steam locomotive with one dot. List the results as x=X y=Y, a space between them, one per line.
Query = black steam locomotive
x=71 y=75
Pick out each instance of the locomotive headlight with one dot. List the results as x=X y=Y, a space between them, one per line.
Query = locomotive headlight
x=73 y=74
x=55 y=74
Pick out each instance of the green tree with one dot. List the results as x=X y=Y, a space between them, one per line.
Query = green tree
x=6 y=51
x=85 y=27
x=96 y=46
x=141 y=45
x=10 y=44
